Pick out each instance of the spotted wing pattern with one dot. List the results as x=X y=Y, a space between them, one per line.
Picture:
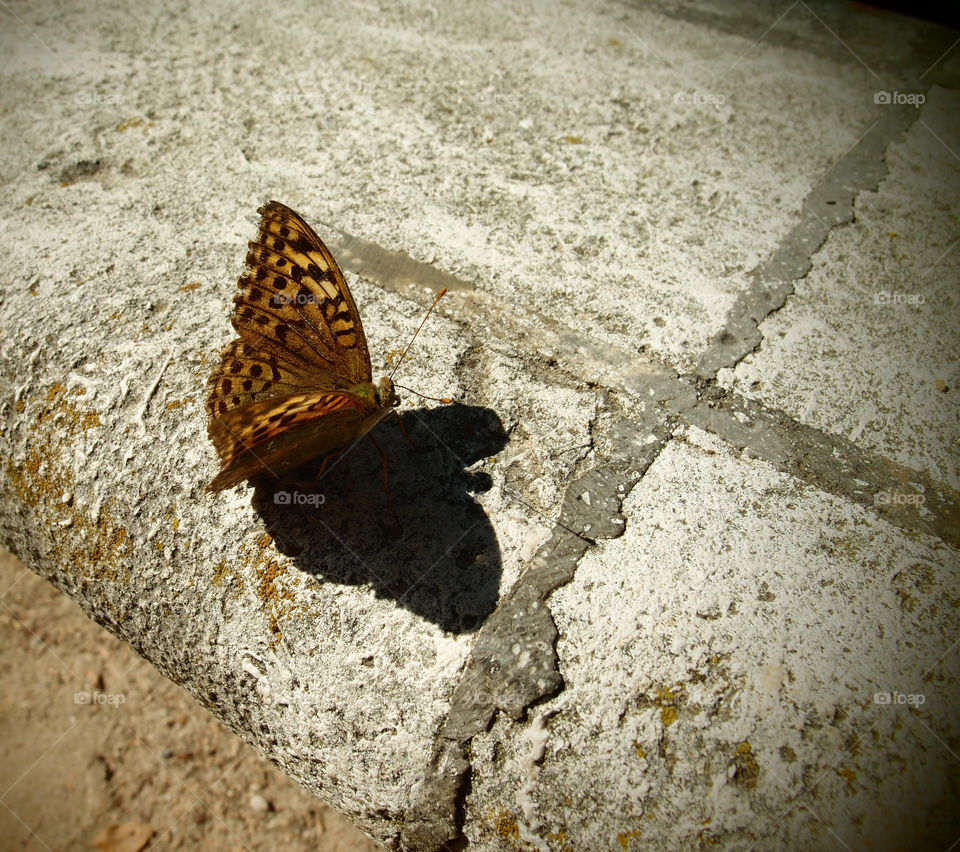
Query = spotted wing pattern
x=298 y=324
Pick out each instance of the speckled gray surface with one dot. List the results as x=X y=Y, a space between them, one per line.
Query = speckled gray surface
x=694 y=512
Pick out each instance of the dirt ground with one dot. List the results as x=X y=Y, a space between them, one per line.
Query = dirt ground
x=155 y=772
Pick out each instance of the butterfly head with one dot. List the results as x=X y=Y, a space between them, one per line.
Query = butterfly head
x=386 y=395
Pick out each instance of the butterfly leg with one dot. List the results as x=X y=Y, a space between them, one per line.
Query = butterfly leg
x=403 y=428
x=386 y=479
x=308 y=483
x=323 y=469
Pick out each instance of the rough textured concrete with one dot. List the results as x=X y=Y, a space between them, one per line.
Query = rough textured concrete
x=696 y=503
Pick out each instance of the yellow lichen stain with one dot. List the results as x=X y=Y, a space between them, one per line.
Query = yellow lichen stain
x=55 y=390
x=573 y=140
x=220 y=572
x=61 y=412
x=31 y=485
x=641 y=752
x=109 y=552
x=277 y=598
x=666 y=699
x=851 y=778
x=178 y=403
x=19 y=406
x=136 y=121
x=747 y=770
x=193 y=285
x=624 y=837
x=223 y=573
x=268 y=588
x=264 y=541
x=506 y=825
x=665 y=695
x=100 y=548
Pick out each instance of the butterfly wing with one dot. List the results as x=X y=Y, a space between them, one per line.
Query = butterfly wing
x=298 y=324
x=296 y=383
x=274 y=436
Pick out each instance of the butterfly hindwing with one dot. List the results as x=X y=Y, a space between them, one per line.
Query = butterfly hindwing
x=276 y=435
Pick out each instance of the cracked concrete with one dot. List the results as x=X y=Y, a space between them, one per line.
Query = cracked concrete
x=697 y=501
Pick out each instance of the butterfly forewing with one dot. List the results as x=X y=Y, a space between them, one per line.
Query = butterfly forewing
x=295 y=298
x=297 y=382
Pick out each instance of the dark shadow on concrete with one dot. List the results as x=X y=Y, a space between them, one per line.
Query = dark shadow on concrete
x=440 y=559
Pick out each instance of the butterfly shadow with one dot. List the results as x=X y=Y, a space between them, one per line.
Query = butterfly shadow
x=439 y=557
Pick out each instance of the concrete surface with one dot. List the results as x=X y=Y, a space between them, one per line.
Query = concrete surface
x=694 y=515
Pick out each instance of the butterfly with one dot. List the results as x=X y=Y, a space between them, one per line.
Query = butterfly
x=297 y=383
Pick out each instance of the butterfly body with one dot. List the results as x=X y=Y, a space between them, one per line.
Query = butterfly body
x=297 y=383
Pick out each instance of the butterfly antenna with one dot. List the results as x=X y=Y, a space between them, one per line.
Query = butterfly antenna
x=444 y=399
x=405 y=351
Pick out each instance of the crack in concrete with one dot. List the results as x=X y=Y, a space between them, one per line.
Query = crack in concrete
x=907 y=498
x=830 y=203
x=514 y=662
